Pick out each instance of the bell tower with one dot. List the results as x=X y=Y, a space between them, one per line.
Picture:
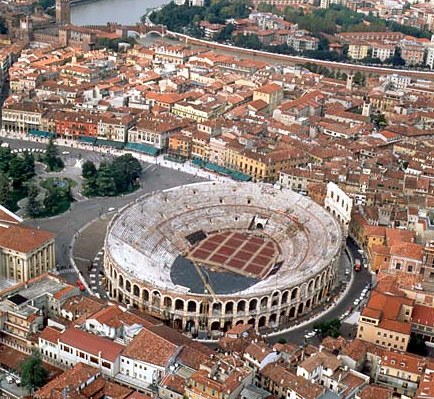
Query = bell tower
x=63 y=12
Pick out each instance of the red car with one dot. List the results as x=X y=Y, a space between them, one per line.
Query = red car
x=80 y=285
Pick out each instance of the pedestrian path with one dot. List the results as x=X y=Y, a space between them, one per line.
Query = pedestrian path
x=186 y=167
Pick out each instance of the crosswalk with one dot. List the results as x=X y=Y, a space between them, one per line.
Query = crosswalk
x=95 y=282
x=66 y=271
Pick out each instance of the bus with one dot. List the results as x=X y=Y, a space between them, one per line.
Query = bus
x=357 y=265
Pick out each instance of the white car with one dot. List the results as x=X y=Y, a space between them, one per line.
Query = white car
x=111 y=209
x=65 y=152
x=310 y=334
x=356 y=301
x=347 y=271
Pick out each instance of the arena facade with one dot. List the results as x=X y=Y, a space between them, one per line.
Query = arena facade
x=208 y=256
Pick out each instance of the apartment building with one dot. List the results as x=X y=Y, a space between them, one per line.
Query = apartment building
x=271 y=93
x=385 y=321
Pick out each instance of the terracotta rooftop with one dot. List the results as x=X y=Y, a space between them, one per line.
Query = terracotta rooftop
x=151 y=348
x=72 y=377
x=375 y=391
x=23 y=238
x=423 y=315
x=50 y=334
x=91 y=343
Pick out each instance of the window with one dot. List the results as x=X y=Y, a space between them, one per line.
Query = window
x=398 y=266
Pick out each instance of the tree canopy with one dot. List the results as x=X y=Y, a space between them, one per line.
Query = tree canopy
x=33 y=374
x=51 y=158
x=15 y=171
x=328 y=328
x=112 y=178
x=180 y=18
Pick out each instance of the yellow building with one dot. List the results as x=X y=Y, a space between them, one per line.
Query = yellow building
x=197 y=111
x=385 y=321
x=358 y=50
x=267 y=166
x=271 y=93
x=180 y=145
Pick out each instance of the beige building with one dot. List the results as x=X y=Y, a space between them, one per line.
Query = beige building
x=271 y=93
x=358 y=50
x=385 y=321
x=25 y=252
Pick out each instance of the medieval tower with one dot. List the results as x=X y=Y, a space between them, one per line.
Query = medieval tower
x=63 y=12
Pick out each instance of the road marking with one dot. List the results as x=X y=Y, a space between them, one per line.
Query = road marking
x=149 y=166
x=92 y=275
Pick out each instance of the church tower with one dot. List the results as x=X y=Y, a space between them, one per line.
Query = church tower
x=366 y=110
x=350 y=78
x=63 y=12
x=26 y=29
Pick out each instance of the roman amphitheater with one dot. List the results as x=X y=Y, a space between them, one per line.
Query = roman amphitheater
x=208 y=256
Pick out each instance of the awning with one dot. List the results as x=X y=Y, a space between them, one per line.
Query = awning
x=40 y=133
x=110 y=143
x=144 y=148
x=87 y=139
x=234 y=174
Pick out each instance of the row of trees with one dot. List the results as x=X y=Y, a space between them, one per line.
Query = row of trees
x=112 y=178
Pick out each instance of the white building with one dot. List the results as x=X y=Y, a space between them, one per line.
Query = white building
x=73 y=346
x=430 y=57
x=339 y=204
x=147 y=358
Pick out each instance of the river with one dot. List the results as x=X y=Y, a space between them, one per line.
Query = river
x=99 y=12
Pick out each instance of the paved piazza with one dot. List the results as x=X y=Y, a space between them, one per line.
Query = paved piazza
x=211 y=255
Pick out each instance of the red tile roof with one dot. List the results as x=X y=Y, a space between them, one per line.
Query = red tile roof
x=151 y=348
x=92 y=344
x=50 y=334
x=22 y=238
x=423 y=315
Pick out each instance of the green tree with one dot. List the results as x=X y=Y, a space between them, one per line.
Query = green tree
x=3 y=26
x=89 y=170
x=5 y=190
x=105 y=185
x=125 y=170
x=396 y=60
x=359 y=79
x=33 y=207
x=52 y=159
x=53 y=199
x=5 y=159
x=33 y=374
x=226 y=33
x=329 y=328
x=21 y=170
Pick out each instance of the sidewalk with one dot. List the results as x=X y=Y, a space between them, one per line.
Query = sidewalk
x=186 y=167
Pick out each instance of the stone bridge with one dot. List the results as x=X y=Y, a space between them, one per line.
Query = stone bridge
x=139 y=30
